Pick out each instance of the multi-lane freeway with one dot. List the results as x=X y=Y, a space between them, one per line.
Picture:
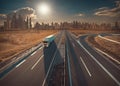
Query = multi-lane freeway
x=68 y=61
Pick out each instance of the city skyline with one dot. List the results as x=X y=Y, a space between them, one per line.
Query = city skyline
x=102 y=11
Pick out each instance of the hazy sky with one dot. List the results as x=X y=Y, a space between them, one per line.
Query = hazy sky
x=64 y=10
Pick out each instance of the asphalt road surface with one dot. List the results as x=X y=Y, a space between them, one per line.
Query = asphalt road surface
x=88 y=68
x=83 y=65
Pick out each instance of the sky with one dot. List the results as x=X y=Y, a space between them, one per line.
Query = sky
x=99 y=11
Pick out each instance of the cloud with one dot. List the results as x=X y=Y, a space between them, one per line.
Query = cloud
x=24 y=12
x=27 y=11
x=80 y=15
x=3 y=16
x=102 y=8
x=110 y=12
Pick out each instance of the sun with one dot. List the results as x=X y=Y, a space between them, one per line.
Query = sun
x=44 y=9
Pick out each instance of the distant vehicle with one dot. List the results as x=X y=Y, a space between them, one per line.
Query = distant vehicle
x=47 y=41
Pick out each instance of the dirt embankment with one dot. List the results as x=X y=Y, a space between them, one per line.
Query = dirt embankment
x=105 y=45
x=115 y=37
x=81 y=32
x=12 y=42
x=102 y=44
x=111 y=46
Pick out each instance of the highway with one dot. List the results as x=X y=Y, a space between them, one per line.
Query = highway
x=68 y=61
x=34 y=70
x=88 y=68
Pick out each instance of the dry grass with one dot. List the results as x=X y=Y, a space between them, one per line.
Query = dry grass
x=106 y=46
x=110 y=46
x=12 y=42
x=80 y=32
x=116 y=38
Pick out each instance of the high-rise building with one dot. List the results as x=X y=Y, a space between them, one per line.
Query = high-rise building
x=17 y=22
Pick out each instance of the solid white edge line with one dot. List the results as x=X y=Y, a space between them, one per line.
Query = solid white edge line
x=109 y=39
x=20 y=63
x=85 y=67
x=14 y=61
x=117 y=82
x=40 y=48
x=36 y=51
x=108 y=56
x=109 y=60
x=37 y=62
x=33 y=53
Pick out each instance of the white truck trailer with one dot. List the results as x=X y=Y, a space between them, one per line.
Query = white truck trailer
x=47 y=41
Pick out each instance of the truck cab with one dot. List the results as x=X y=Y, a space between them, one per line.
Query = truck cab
x=48 y=40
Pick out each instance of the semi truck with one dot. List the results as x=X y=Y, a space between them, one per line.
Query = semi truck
x=48 y=40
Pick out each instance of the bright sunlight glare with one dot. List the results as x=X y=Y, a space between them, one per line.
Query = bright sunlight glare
x=44 y=9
